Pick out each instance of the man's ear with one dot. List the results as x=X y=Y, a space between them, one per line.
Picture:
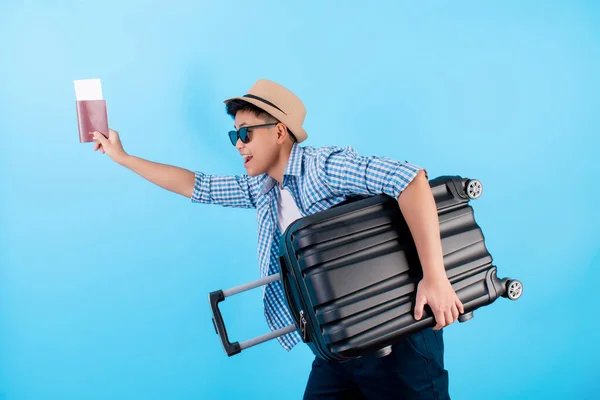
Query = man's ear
x=282 y=133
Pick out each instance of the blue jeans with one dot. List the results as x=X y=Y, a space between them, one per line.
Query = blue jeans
x=414 y=370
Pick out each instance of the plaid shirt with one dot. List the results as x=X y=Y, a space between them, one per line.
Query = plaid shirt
x=317 y=178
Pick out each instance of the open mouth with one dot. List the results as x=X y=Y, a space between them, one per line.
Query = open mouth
x=247 y=160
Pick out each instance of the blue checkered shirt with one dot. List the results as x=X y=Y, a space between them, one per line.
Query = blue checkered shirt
x=317 y=178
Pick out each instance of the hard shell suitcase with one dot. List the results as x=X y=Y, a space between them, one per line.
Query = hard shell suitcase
x=350 y=273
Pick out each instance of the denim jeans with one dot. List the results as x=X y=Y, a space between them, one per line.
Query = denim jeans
x=414 y=370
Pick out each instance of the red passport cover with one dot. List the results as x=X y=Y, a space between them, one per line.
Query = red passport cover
x=91 y=116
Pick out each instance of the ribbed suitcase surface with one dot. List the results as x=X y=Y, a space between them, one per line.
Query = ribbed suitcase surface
x=350 y=272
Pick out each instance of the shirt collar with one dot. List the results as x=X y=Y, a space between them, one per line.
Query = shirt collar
x=294 y=165
x=293 y=168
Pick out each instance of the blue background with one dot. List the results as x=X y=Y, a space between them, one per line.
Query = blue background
x=104 y=277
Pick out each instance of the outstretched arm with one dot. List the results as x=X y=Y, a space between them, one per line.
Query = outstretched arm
x=229 y=191
x=169 y=177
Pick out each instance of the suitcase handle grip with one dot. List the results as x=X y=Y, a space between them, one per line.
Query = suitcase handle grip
x=219 y=295
x=215 y=298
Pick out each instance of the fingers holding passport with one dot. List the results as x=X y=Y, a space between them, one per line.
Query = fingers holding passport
x=101 y=141
x=98 y=146
x=110 y=145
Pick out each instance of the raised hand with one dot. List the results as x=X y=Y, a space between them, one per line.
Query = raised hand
x=110 y=146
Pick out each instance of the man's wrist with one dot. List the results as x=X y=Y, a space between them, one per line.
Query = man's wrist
x=122 y=159
x=434 y=273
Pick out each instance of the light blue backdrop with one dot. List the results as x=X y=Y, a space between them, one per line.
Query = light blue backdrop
x=104 y=277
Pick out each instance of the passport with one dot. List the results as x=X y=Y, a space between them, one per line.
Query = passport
x=91 y=109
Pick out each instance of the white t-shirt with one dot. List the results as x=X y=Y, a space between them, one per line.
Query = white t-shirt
x=287 y=211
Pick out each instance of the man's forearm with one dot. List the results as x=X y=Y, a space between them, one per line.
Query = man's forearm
x=169 y=177
x=420 y=212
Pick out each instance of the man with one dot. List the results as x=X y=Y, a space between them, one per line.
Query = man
x=284 y=181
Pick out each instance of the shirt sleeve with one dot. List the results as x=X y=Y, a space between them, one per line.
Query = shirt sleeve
x=344 y=172
x=228 y=191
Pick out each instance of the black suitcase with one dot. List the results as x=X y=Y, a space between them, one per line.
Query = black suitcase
x=350 y=273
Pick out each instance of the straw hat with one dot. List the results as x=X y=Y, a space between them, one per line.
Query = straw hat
x=280 y=102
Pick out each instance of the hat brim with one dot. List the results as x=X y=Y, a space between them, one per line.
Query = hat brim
x=297 y=130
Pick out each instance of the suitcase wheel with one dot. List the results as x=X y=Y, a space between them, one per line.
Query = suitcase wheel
x=514 y=289
x=474 y=188
x=465 y=317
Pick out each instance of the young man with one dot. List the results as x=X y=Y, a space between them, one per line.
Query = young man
x=283 y=182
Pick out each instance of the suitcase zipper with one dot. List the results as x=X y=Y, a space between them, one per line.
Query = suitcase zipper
x=319 y=347
x=303 y=324
x=302 y=316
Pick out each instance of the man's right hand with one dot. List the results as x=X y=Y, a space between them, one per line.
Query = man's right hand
x=111 y=146
x=174 y=179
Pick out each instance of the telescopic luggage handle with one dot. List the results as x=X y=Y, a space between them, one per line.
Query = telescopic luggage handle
x=218 y=296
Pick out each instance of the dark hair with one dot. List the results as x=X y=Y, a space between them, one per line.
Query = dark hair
x=236 y=105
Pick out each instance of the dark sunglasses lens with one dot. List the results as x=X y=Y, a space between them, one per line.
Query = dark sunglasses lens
x=244 y=135
x=233 y=137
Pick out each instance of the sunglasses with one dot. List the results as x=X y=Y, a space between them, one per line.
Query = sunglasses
x=242 y=133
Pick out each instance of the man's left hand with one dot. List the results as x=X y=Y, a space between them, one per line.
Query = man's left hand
x=438 y=293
